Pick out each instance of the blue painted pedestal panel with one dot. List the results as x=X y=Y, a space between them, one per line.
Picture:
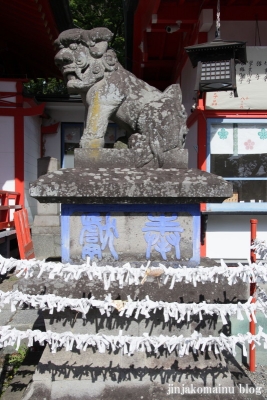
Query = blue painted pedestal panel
x=108 y=233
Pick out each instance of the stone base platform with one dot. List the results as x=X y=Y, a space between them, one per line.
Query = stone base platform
x=91 y=375
x=153 y=287
x=88 y=376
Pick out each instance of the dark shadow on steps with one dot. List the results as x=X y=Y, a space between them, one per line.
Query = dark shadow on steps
x=117 y=374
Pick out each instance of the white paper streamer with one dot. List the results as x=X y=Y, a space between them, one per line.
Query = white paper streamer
x=130 y=344
x=127 y=275
x=171 y=310
x=260 y=248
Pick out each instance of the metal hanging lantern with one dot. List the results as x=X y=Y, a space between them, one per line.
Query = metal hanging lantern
x=216 y=62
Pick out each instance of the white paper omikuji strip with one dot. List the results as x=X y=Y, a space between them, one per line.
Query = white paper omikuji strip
x=262 y=296
x=260 y=247
x=127 y=275
x=173 y=310
x=131 y=344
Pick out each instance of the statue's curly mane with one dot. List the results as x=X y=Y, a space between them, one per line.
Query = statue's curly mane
x=88 y=38
x=96 y=40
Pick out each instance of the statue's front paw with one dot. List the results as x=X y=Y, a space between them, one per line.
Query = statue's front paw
x=135 y=139
x=142 y=152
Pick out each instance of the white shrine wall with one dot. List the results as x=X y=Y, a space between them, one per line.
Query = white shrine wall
x=32 y=149
x=7 y=161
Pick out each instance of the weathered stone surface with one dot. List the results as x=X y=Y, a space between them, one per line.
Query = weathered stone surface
x=26 y=319
x=46 y=245
x=129 y=185
x=153 y=287
x=87 y=376
x=47 y=220
x=114 y=158
x=121 y=384
x=126 y=362
x=96 y=323
x=101 y=362
x=46 y=230
x=46 y=225
x=39 y=390
x=47 y=209
x=155 y=121
x=46 y=164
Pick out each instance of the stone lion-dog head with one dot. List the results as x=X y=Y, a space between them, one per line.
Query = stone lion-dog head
x=154 y=120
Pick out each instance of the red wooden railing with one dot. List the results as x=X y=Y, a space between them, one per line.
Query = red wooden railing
x=6 y=220
x=18 y=220
x=22 y=226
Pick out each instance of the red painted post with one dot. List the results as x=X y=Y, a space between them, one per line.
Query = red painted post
x=252 y=324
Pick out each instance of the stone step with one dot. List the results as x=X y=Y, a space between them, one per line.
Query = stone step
x=211 y=292
x=89 y=376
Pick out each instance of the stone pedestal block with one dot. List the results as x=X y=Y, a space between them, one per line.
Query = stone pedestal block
x=47 y=241
x=48 y=209
x=46 y=234
x=46 y=165
x=47 y=221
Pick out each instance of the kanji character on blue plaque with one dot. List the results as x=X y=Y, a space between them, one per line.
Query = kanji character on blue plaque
x=162 y=232
x=95 y=236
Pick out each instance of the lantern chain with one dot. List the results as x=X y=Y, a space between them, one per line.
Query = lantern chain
x=218 y=25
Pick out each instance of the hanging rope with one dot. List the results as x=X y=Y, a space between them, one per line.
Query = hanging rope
x=218 y=24
x=131 y=344
x=171 y=310
x=128 y=275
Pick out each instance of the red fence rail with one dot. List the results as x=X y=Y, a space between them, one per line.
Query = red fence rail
x=22 y=226
x=7 y=197
x=19 y=220
x=252 y=324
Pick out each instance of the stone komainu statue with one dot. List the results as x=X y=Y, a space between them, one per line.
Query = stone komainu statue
x=155 y=122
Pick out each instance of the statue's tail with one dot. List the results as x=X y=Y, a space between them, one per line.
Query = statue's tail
x=173 y=91
x=163 y=127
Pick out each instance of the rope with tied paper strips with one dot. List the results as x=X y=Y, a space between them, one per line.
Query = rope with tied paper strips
x=132 y=344
x=127 y=275
x=171 y=310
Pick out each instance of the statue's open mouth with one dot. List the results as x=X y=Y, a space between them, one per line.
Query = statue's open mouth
x=71 y=77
